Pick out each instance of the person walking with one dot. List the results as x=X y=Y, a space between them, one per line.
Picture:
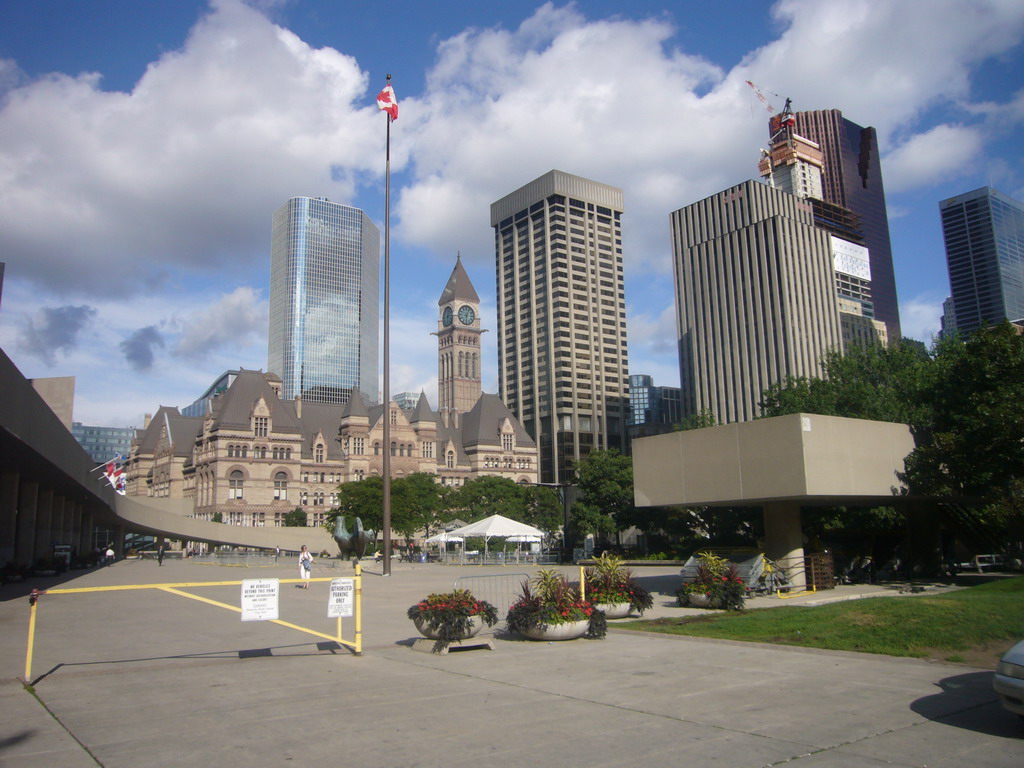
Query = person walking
x=109 y=554
x=160 y=554
x=305 y=566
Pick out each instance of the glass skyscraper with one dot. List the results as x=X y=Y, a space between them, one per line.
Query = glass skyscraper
x=324 y=301
x=984 y=234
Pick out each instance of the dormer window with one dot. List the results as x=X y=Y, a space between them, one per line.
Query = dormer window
x=319 y=453
x=507 y=443
x=260 y=425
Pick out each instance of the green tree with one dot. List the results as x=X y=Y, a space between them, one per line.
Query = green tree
x=295 y=519
x=542 y=508
x=605 y=500
x=489 y=495
x=217 y=518
x=972 y=443
x=416 y=502
x=875 y=382
x=363 y=499
x=700 y=420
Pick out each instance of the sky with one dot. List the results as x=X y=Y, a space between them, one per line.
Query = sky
x=145 y=146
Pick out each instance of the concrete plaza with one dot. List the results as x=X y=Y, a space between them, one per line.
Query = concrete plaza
x=146 y=677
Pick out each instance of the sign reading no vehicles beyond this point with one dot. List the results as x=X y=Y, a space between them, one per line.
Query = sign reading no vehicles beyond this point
x=259 y=599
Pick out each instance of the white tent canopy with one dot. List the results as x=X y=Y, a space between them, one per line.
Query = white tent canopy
x=495 y=526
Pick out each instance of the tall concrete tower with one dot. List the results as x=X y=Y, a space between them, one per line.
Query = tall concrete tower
x=563 y=363
x=756 y=299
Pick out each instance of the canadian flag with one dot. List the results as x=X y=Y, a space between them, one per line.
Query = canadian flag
x=387 y=101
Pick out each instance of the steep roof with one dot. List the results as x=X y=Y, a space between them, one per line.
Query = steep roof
x=181 y=431
x=323 y=418
x=233 y=407
x=480 y=426
x=355 y=406
x=422 y=411
x=459 y=287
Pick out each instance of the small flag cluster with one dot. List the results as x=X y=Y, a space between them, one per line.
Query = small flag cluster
x=114 y=473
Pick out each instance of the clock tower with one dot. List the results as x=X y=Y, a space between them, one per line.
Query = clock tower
x=458 y=346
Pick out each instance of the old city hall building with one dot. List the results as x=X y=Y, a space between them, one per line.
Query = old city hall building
x=253 y=456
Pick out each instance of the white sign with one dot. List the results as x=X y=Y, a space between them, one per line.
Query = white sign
x=259 y=599
x=341 y=604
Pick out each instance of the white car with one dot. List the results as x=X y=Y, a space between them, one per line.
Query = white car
x=1009 y=680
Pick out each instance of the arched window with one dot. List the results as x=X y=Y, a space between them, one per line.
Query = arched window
x=376 y=449
x=236 y=485
x=393 y=448
x=231 y=451
x=287 y=453
x=450 y=460
x=280 y=486
x=304 y=498
x=319 y=453
x=245 y=451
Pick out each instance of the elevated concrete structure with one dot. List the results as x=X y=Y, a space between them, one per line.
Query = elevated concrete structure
x=49 y=493
x=780 y=464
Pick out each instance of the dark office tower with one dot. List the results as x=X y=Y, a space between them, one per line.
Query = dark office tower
x=852 y=178
x=562 y=361
x=984 y=234
x=755 y=298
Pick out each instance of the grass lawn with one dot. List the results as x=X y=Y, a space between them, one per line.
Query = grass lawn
x=974 y=625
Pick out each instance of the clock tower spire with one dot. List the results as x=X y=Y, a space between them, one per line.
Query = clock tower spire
x=458 y=345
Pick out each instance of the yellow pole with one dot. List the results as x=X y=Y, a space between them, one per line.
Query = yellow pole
x=359 y=609
x=31 y=637
x=339 y=629
x=583 y=584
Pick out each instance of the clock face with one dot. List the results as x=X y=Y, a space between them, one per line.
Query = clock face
x=466 y=314
x=446 y=317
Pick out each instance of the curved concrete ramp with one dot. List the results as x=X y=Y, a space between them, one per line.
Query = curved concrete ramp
x=170 y=518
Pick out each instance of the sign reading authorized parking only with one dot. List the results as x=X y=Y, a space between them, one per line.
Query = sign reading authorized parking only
x=259 y=599
x=342 y=600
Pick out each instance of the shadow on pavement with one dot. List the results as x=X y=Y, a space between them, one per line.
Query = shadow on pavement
x=967 y=701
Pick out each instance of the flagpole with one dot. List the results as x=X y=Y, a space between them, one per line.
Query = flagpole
x=386 y=411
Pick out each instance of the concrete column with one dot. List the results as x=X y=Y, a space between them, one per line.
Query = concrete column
x=85 y=545
x=72 y=511
x=119 y=540
x=57 y=519
x=784 y=539
x=8 y=515
x=25 y=544
x=44 y=526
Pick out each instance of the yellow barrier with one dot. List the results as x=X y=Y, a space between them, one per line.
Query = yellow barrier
x=175 y=588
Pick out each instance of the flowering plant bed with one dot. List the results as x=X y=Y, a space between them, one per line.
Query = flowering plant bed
x=717 y=584
x=548 y=600
x=609 y=582
x=451 y=616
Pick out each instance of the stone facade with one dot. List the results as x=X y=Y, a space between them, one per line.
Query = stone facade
x=253 y=457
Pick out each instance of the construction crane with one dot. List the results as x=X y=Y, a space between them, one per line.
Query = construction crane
x=762 y=98
x=777 y=123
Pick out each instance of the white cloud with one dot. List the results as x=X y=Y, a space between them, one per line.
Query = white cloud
x=184 y=171
x=941 y=153
x=921 y=317
x=237 y=319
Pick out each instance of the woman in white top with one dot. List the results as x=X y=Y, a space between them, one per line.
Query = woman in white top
x=305 y=566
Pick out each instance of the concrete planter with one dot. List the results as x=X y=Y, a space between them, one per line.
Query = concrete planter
x=568 y=631
x=475 y=622
x=614 y=610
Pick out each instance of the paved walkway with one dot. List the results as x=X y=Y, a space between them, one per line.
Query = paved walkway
x=150 y=678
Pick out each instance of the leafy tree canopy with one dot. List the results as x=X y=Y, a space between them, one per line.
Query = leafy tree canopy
x=295 y=519
x=605 y=500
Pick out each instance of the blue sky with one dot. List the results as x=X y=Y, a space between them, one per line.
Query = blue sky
x=144 y=147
